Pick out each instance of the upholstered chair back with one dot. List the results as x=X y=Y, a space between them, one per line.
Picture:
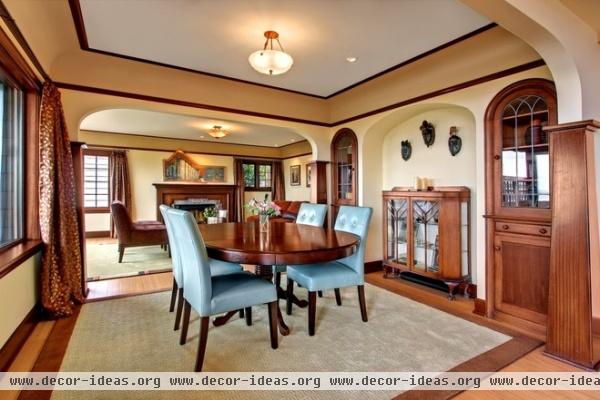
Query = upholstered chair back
x=122 y=221
x=355 y=220
x=173 y=246
x=311 y=214
x=197 y=286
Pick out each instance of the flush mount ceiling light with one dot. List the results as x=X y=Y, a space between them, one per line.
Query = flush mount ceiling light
x=217 y=132
x=269 y=61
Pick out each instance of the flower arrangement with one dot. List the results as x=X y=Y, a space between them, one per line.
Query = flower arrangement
x=264 y=207
x=210 y=212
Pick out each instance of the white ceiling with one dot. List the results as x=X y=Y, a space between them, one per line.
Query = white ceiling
x=217 y=36
x=176 y=126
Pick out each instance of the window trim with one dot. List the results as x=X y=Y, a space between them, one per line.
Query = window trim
x=256 y=187
x=18 y=71
x=101 y=153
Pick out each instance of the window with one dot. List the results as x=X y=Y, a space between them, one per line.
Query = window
x=95 y=180
x=257 y=176
x=11 y=163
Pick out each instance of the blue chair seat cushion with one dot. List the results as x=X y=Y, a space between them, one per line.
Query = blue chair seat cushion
x=218 y=267
x=279 y=268
x=240 y=290
x=323 y=276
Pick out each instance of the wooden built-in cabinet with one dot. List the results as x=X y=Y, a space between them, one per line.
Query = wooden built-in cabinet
x=518 y=202
x=428 y=233
x=344 y=171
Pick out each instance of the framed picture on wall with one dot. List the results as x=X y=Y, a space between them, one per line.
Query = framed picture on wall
x=308 y=174
x=295 y=175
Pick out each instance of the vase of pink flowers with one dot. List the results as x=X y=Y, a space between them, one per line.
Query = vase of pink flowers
x=264 y=209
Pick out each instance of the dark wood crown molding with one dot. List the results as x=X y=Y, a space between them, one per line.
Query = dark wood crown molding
x=450 y=89
x=79 y=23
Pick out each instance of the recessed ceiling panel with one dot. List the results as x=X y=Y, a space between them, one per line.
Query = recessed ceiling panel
x=176 y=126
x=217 y=36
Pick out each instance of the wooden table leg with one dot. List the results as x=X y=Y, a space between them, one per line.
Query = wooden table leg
x=266 y=272
x=222 y=320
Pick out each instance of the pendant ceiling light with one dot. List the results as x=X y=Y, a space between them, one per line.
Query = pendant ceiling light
x=270 y=61
x=217 y=132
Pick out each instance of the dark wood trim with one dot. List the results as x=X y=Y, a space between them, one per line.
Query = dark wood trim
x=334 y=177
x=13 y=256
x=156 y=99
x=97 y=234
x=13 y=345
x=84 y=45
x=373 y=266
x=96 y=152
x=426 y=96
x=417 y=58
x=102 y=146
x=96 y=210
x=480 y=307
x=14 y=29
x=93 y=132
x=449 y=89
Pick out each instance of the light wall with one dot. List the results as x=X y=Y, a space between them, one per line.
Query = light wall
x=18 y=295
x=97 y=222
x=296 y=193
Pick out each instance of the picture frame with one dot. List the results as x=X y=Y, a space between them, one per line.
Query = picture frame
x=308 y=174
x=295 y=175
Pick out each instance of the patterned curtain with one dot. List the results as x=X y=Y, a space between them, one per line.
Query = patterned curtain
x=61 y=258
x=278 y=182
x=239 y=190
x=120 y=190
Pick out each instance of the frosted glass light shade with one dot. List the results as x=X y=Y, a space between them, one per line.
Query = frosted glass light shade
x=271 y=62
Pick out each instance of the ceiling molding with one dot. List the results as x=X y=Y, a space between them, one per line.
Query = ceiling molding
x=77 y=15
x=450 y=89
x=94 y=131
x=16 y=32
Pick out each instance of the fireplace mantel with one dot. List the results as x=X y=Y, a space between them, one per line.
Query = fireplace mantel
x=168 y=192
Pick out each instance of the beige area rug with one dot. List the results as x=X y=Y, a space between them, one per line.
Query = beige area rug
x=103 y=260
x=136 y=334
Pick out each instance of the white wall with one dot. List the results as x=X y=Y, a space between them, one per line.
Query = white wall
x=296 y=193
x=18 y=295
x=97 y=222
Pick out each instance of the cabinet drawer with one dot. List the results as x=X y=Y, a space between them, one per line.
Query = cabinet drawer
x=538 y=230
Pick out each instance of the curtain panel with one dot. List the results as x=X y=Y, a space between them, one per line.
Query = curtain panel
x=120 y=189
x=278 y=185
x=61 y=257
x=239 y=189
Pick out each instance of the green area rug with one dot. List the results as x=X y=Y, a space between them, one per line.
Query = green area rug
x=103 y=260
x=136 y=334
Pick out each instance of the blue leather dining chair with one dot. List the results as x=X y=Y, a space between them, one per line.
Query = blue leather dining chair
x=308 y=214
x=209 y=294
x=217 y=267
x=348 y=271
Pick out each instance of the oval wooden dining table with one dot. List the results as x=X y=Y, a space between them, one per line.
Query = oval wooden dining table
x=285 y=243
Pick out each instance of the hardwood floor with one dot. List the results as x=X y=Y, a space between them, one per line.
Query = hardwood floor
x=534 y=361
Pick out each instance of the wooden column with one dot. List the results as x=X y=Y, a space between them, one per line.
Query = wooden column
x=77 y=155
x=574 y=288
x=318 y=184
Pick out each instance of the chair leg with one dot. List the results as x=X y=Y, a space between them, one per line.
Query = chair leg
x=338 y=296
x=289 y=294
x=273 y=322
x=173 y=296
x=186 y=322
x=320 y=293
x=248 y=316
x=202 y=343
x=312 y=310
x=121 y=252
x=363 y=305
x=241 y=310
x=179 y=309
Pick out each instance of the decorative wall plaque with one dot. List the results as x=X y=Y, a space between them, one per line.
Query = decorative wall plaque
x=180 y=167
x=454 y=141
x=406 y=150
x=428 y=132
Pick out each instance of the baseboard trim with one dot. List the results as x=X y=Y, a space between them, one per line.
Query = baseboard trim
x=97 y=234
x=373 y=266
x=480 y=307
x=13 y=345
